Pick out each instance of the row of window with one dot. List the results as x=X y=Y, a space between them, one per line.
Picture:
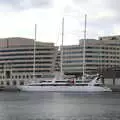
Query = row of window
x=70 y=84
x=77 y=47
x=65 y=48
x=27 y=71
x=72 y=56
x=27 y=67
x=113 y=61
x=92 y=47
x=80 y=61
x=13 y=83
x=98 y=52
x=24 y=54
x=78 y=65
x=110 y=52
x=105 y=48
x=72 y=61
x=81 y=47
x=114 y=44
x=77 y=52
x=29 y=58
x=36 y=62
x=91 y=56
x=88 y=65
x=31 y=66
x=19 y=50
x=21 y=76
x=73 y=70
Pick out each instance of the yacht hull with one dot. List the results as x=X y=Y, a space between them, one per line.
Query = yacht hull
x=65 y=88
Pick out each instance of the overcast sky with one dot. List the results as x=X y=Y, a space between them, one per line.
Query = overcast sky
x=17 y=19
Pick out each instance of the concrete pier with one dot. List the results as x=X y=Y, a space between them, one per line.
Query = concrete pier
x=9 y=88
x=115 y=88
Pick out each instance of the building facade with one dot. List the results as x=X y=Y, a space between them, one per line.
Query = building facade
x=100 y=54
x=17 y=60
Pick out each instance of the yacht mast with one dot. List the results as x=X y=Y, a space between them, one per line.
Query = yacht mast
x=61 y=67
x=84 y=46
x=34 y=52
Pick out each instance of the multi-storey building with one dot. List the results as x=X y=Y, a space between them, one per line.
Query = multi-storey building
x=99 y=54
x=17 y=60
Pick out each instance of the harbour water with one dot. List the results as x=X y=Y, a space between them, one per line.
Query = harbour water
x=59 y=106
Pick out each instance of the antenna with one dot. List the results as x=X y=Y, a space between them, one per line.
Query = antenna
x=34 y=52
x=84 y=46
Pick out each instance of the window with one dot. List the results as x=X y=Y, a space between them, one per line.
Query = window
x=23 y=76
x=113 y=38
x=19 y=76
x=27 y=76
x=14 y=82
x=2 y=83
x=21 y=82
x=8 y=83
x=38 y=76
x=7 y=74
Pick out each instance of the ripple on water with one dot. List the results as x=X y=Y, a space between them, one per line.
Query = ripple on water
x=56 y=106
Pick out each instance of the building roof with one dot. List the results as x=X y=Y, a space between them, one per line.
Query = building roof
x=20 y=41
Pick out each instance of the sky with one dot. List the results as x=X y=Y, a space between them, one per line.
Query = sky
x=18 y=19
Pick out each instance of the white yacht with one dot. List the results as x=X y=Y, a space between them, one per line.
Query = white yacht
x=67 y=85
